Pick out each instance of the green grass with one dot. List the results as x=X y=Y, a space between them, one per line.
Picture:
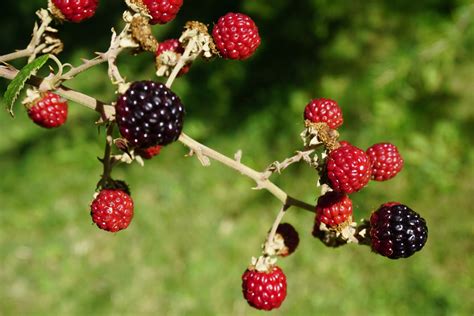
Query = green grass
x=196 y=228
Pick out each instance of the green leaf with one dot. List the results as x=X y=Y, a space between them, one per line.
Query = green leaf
x=17 y=84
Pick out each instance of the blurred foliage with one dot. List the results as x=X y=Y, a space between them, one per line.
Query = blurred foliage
x=402 y=71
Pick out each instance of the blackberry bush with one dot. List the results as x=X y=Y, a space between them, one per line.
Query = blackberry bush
x=149 y=115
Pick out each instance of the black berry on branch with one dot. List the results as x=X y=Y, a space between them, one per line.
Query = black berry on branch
x=48 y=111
x=236 y=36
x=149 y=114
x=396 y=231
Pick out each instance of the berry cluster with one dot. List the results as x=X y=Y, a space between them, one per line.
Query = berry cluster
x=395 y=230
x=149 y=115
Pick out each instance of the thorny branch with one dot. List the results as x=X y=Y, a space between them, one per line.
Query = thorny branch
x=42 y=40
x=204 y=153
x=108 y=111
x=280 y=166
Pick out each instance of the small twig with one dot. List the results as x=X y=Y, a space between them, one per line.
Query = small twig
x=109 y=56
x=107 y=159
x=279 y=166
x=271 y=235
x=34 y=46
x=107 y=111
x=181 y=62
x=16 y=55
x=258 y=177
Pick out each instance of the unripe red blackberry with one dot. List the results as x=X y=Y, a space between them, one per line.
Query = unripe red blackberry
x=264 y=290
x=334 y=209
x=48 y=111
x=386 y=161
x=324 y=110
x=74 y=10
x=112 y=210
x=236 y=36
x=348 y=169
x=396 y=231
x=162 y=11
x=149 y=114
x=174 y=46
x=170 y=45
x=150 y=152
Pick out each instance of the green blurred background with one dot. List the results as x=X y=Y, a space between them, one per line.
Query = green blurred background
x=401 y=71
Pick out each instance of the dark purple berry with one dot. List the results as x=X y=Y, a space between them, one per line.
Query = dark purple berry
x=149 y=114
x=396 y=231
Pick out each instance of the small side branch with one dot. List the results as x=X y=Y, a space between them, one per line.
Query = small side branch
x=280 y=166
x=258 y=177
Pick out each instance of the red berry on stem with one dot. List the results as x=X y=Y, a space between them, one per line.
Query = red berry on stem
x=112 y=210
x=150 y=152
x=162 y=11
x=334 y=209
x=386 y=161
x=324 y=110
x=348 y=169
x=236 y=36
x=49 y=111
x=264 y=290
x=77 y=10
x=173 y=45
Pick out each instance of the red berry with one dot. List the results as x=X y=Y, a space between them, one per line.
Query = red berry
x=334 y=209
x=264 y=290
x=348 y=169
x=49 y=111
x=162 y=11
x=150 y=152
x=112 y=210
x=170 y=45
x=386 y=161
x=236 y=36
x=343 y=143
x=173 y=45
x=77 y=10
x=324 y=110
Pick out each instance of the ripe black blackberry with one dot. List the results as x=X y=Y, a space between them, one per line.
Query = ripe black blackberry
x=396 y=231
x=149 y=114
